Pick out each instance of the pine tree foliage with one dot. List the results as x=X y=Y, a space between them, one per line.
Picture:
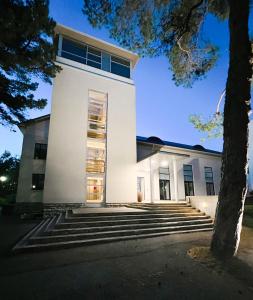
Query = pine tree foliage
x=162 y=27
x=26 y=53
x=9 y=168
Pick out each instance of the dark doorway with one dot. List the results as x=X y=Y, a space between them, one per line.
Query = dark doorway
x=164 y=189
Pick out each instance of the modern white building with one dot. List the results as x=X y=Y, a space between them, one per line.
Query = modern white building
x=85 y=153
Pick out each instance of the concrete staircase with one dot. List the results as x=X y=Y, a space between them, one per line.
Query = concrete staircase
x=81 y=229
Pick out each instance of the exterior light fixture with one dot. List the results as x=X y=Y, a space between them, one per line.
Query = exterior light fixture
x=3 y=178
x=164 y=163
x=34 y=186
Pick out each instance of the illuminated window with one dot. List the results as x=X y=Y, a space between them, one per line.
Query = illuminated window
x=95 y=189
x=96 y=146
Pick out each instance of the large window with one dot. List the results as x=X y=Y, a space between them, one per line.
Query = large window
x=164 y=183
x=188 y=180
x=38 y=181
x=94 y=57
x=209 y=181
x=96 y=146
x=40 y=151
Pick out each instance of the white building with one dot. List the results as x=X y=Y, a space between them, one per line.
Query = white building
x=85 y=152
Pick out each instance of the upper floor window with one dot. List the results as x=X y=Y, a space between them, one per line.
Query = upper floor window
x=120 y=66
x=209 y=181
x=40 y=151
x=38 y=181
x=94 y=57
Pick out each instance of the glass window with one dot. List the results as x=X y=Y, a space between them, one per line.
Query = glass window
x=209 y=181
x=188 y=175
x=120 y=70
x=96 y=58
x=121 y=61
x=40 y=151
x=96 y=146
x=188 y=180
x=74 y=51
x=95 y=189
x=38 y=181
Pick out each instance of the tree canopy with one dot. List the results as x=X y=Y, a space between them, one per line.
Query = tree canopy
x=162 y=27
x=174 y=28
x=9 y=169
x=26 y=53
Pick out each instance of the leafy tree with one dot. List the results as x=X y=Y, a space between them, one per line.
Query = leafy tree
x=9 y=169
x=26 y=52
x=173 y=28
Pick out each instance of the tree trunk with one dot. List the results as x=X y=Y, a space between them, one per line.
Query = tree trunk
x=229 y=213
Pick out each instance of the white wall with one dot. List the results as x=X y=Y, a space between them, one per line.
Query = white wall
x=65 y=180
x=206 y=204
x=34 y=133
x=198 y=161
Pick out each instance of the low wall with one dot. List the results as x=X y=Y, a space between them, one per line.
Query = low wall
x=206 y=204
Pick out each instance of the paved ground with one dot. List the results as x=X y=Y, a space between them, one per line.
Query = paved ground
x=156 y=268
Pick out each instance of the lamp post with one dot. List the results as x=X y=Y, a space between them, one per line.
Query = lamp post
x=3 y=178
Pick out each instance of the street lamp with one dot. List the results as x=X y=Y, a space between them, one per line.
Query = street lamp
x=3 y=178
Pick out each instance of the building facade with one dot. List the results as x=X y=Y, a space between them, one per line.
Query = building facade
x=85 y=153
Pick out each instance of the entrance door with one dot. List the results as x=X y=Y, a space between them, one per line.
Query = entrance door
x=164 y=189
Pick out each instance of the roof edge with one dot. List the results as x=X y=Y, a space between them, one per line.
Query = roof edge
x=30 y=121
x=179 y=145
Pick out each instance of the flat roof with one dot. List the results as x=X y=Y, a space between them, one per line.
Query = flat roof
x=92 y=41
x=158 y=141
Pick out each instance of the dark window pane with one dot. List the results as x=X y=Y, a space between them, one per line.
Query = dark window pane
x=94 y=51
x=38 y=181
x=74 y=48
x=120 y=61
x=189 y=188
x=210 y=189
x=187 y=168
x=40 y=151
x=93 y=64
x=73 y=57
x=120 y=70
x=94 y=57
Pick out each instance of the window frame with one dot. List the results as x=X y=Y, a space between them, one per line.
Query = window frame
x=188 y=182
x=41 y=154
x=210 y=190
x=88 y=61
x=38 y=181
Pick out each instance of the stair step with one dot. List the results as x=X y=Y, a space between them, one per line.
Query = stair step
x=130 y=216
x=69 y=224
x=115 y=226
x=86 y=242
x=114 y=233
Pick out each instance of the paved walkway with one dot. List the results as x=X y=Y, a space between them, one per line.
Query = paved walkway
x=157 y=268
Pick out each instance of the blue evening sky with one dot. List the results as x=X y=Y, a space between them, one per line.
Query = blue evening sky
x=163 y=109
